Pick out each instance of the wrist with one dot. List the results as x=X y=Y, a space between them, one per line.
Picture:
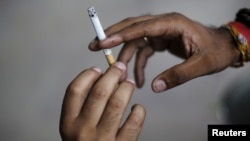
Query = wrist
x=232 y=44
x=240 y=32
x=241 y=36
x=225 y=40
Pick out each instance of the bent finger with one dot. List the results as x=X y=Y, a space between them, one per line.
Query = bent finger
x=126 y=22
x=166 y=25
x=129 y=49
x=94 y=45
x=111 y=118
x=132 y=127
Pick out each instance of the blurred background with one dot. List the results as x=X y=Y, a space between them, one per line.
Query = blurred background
x=44 y=45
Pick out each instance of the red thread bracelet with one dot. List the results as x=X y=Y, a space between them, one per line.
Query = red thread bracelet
x=241 y=35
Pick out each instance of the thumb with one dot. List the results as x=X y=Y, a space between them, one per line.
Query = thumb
x=193 y=67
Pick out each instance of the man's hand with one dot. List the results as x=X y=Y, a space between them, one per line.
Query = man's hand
x=94 y=105
x=206 y=50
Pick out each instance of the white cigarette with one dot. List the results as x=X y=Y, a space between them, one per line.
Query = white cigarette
x=100 y=33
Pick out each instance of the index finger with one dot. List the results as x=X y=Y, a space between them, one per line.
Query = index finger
x=94 y=46
x=168 y=25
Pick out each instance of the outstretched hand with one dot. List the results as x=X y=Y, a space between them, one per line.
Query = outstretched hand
x=205 y=50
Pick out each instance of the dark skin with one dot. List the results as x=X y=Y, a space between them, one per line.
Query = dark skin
x=205 y=50
x=92 y=108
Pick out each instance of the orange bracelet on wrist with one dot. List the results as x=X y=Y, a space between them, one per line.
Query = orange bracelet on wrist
x=241 y=35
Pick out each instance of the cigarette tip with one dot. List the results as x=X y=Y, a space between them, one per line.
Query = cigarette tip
x=91 y=11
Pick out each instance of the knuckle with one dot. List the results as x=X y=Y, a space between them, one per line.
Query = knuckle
x=116 y=103
x=128 y=19
x=77 y=133
x=74 y=90
x=85 y=134
x=81 y=137
x=177 y=15
x=100 y=93
x=138 y=23
x=137 y=119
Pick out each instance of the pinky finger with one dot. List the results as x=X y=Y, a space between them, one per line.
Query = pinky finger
x=132 y=127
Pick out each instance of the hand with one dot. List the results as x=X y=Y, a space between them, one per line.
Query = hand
x=206 y=50
x=94 y=105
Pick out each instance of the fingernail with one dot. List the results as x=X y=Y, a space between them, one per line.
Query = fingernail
x=120 y=65
x=160 y=86
x=93 y=43
x=97 y=69
x=130 y=80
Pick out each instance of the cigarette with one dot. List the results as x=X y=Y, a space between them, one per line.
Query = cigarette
x=100 y=34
